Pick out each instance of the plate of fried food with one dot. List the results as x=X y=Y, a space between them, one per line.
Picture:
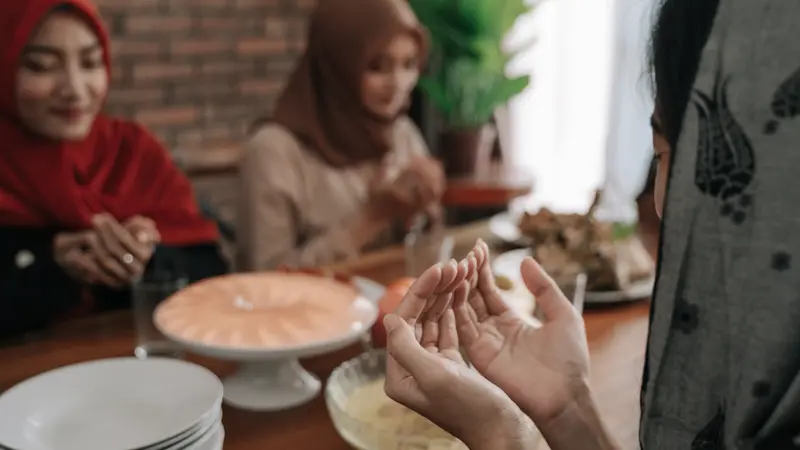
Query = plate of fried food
x=617 y=265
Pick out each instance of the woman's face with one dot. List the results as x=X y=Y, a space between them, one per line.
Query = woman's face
x=662 y=152
x=61 y=80
x=390 y=77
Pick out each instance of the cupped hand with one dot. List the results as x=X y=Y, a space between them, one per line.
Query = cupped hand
x=426 y=372
x=122 y=252
x=543 y=369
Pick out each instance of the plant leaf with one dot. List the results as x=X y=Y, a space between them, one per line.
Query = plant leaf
x=436 y=93
x=621 y=231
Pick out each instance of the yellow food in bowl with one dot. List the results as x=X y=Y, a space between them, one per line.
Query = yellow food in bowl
x=369 y=403
x=504 y=283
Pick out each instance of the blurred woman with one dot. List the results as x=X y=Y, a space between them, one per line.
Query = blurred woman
x=338 y=164
x=87 y=203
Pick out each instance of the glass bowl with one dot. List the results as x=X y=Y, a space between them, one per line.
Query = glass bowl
x=358 y=372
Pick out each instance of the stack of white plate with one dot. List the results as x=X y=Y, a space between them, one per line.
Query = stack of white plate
x=115 y=404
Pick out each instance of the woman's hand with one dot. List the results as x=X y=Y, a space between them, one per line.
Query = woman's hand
x=425 y=370
x=428 y=176
x=122 y=251
x=143 y=229
x=70 y=251
x=544 y=370
x=418 y=187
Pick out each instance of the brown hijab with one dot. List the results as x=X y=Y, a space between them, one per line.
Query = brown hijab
x=321 y=103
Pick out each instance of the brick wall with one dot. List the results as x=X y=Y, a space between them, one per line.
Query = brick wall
x=196 y=72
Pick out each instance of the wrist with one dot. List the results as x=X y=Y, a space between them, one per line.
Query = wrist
x=579 y=425
x=508 y=429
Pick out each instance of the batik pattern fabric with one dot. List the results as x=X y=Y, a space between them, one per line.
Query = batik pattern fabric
x=723 y=365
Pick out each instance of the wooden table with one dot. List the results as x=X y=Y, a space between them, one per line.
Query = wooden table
x=616 y=340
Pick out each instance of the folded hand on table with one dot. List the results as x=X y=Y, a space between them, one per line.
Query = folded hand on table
x=110 y=254
x=426 y=372
x=122 y=251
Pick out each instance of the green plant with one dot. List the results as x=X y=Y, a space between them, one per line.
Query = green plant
x=622 y=231
x=468 y=80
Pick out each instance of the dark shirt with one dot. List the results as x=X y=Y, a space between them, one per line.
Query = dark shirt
x=35 y=290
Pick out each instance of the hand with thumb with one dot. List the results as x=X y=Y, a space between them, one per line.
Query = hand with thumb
x=426 y=372
x=542 y=368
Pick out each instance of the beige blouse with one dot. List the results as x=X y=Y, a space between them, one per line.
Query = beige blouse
x=294 y=208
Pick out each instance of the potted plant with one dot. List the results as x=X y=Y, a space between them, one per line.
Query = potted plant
x=467 y=80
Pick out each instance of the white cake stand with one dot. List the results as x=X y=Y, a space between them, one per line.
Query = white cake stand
x=272 y=379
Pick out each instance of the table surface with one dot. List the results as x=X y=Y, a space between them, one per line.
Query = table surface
x=616 y=335
x=493 y=186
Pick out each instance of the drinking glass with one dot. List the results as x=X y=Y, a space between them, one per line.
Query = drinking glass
x=424 y=248
x=147 y=293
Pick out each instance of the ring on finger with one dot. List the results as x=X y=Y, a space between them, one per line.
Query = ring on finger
x=127 y=258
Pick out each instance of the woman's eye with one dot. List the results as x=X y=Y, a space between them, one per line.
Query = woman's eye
x=36 y=66
x=91 y=64
x=380 y=65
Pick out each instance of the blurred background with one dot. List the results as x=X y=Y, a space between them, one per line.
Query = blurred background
x=197 y=72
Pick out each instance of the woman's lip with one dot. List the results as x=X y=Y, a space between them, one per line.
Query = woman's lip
x=69 y=113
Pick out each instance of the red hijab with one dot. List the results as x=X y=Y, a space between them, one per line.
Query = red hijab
x=119 y=168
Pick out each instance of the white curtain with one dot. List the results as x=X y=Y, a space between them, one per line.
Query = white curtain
x=583 y=123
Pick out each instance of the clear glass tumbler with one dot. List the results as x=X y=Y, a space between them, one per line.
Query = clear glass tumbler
x=147 y=294
x=424 y=248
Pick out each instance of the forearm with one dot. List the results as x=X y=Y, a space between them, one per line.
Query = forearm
x=579 y=427
x=271 y=246
x=342 y=241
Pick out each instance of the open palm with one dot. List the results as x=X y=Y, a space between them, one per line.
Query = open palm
x=539 y=367
x=425 y=370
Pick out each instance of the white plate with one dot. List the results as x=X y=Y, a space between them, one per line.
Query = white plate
x=508 y=264
x=119 y=403
x=504 y=226
x=191 y=434
x=519 y=297
x=215 y=442
x=209 y=439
